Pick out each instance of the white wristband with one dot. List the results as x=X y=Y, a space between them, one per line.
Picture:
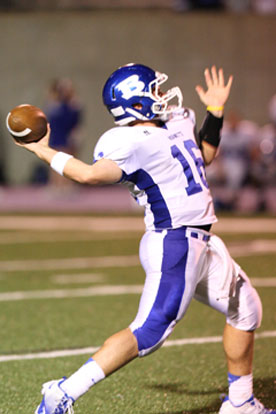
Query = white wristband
x=59 y=160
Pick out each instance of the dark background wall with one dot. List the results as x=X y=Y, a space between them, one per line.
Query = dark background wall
x=88 y=45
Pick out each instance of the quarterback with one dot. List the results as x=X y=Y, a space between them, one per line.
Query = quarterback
x=155 y=151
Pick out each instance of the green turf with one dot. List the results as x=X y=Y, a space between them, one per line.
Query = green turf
x=33 y=324
x=69 y=248
x=174 y=380
x=36 y=280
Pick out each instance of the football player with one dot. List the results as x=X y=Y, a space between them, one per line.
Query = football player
x=155 y=151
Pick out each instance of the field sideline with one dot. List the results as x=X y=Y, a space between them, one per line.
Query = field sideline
x=68 y=282
x=129 y=223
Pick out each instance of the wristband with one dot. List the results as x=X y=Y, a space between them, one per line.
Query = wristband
x=210 y=130
x=215 y=108
x=59 y=160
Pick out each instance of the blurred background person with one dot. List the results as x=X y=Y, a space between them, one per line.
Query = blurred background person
x=2 y=159
x=264 y=168
x=231 y=174
x=264 y=6
x=237 y=6
x=185 y=5
x=64 y=113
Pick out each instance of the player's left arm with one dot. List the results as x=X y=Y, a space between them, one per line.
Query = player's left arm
x=104 y=171
x=214 y=97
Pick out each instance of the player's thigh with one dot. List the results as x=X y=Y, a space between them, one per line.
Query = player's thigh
x=172 y=263
x=226 y=288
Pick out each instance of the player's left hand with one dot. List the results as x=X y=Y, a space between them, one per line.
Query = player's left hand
x=217 y=91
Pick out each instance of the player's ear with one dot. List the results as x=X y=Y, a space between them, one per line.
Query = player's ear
x=137 y=106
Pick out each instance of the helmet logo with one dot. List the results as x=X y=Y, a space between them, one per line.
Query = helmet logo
x=131 y=86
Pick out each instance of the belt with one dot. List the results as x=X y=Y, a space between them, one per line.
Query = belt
x=197 y=233
x=190 y=231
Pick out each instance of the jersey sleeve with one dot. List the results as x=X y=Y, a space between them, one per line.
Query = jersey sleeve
x=116 y=145
x=191 y=115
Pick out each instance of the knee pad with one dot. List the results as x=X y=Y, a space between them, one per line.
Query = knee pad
x=245 y=308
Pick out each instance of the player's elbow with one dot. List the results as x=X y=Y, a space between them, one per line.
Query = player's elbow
x=208 y=160
x=88 y=177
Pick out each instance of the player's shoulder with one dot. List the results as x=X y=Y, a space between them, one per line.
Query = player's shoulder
x=115 y=136
x=115 y=132
x=115 y=140
x=122 y=134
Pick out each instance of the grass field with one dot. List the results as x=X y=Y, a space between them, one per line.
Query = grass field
x=65 y=290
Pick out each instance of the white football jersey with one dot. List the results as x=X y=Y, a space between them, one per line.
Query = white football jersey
x=163 y=169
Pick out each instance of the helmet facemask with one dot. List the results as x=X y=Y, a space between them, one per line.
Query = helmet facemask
x=161 y=100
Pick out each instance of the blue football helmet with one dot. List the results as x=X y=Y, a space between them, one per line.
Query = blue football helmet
x=138 y=84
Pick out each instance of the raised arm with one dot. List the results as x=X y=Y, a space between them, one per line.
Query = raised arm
x=214 y=98
x=103 y=171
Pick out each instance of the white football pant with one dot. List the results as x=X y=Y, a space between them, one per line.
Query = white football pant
x=186 y=263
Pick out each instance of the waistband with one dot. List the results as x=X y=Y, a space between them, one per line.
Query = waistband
x=197 y=233
x=188 y=231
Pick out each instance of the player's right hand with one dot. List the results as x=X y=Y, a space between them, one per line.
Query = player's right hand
x=43 y=142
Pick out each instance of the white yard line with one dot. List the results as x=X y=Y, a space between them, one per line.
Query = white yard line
x=236 y=250
x=245 y=225
x=91 y=350
x=264 y=282
x=119 y=224
x=24 y=237
x=69 y=263
x=102 y=290
x=105 y=290
x=69 y=223
x=77 y=278
x=213 y=339
x=249 y=248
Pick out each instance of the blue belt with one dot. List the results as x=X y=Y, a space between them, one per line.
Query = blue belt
x=186 y=231
x=199 y=235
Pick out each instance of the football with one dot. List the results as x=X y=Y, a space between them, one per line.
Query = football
x=26 y=123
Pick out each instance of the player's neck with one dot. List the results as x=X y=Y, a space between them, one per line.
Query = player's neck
x=154 y=123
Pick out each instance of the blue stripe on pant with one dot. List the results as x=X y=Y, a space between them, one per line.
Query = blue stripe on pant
x=170 y=292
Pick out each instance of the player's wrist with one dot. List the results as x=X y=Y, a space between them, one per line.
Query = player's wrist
x=59 y=160
x=216 y=110
x=211 y=129
x=45 y=153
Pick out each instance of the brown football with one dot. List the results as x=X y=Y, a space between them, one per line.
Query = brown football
x=26 y=123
